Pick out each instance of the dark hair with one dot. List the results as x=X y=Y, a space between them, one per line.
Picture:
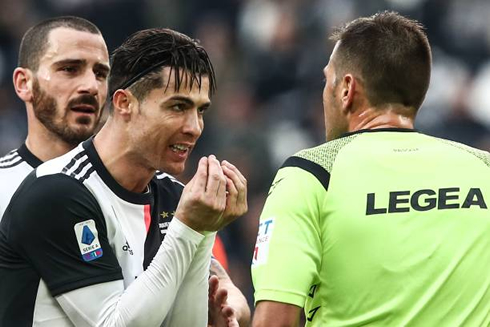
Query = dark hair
x=138 y=62
x=35 y=40
x=392 y=55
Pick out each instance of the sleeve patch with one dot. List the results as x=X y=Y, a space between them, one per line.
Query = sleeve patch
x=88 y=240
x=261 y=252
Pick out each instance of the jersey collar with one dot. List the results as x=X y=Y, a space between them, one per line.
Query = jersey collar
x=28 y=156
x=375 y=130
x=121 y=192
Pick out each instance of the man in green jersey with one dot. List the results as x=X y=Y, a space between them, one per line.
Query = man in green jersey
x=381 y=225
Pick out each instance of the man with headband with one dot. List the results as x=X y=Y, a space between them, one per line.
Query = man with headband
x=84 y=237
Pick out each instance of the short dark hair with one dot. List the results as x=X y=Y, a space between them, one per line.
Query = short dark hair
x=138 y=62
x=35 y=40
x=392 y=55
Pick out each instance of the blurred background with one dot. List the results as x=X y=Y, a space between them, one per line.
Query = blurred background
x=269 y=56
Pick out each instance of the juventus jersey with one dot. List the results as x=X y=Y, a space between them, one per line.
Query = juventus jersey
x=71 y=225
x=14 y=167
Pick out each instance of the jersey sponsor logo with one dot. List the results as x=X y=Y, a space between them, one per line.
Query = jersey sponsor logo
x=426 y=199
x=261 y=251
x=88 y=240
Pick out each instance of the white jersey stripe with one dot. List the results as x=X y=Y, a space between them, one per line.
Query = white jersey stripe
x=11 y=163
x=9 y=156
x=85 y=169
x=73 y=168
x=162 y=175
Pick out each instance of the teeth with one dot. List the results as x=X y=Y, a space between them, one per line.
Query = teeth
x=179 y=147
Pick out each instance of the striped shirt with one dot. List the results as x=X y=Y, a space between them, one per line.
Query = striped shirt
x=71 y=225
x=14 y=167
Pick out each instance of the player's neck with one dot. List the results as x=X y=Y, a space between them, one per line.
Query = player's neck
x=44 y=144
x=387 y=117
x=120 y=160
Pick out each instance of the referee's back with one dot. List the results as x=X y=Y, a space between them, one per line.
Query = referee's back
x=406 y=229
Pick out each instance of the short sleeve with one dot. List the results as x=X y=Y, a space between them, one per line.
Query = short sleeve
x=57 y=226
x=287 y=255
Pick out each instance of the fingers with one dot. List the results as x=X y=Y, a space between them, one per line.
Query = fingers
x=199 y=181
x=221 y=297
x=216 y=183
x=228 y=315
x=227 y=311
x=231 y=167
x=213 y=286
x=237 y=187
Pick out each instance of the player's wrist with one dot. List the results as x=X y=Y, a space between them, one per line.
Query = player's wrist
x=180 y=227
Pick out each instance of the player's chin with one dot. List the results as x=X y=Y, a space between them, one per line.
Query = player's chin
x=173 y=168
x=84 y=131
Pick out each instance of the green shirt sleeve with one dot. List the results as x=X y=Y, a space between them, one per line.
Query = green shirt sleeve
x=287 y=255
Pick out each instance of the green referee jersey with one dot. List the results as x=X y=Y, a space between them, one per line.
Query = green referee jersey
x=385 y=227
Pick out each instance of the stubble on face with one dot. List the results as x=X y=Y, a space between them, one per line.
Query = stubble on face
x=55 y=119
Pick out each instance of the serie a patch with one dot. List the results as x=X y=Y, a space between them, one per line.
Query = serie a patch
x=88 y=240
x=261 y=252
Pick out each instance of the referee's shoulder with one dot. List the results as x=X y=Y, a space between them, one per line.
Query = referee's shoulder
x=482 y=155
x=324 y=154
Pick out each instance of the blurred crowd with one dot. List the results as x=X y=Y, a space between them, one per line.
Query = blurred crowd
x=269 y=56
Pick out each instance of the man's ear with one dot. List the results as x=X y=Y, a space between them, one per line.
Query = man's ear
x=23 y=79
x=348 y=89
x=124 y=103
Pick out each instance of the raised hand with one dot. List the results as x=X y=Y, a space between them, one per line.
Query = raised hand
x=203 y=200
x=220 y=313
x=236 y=186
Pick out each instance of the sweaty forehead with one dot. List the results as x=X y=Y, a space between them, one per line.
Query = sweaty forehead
x=67 y=43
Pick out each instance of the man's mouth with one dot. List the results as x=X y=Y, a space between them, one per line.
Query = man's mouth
x=179 y=148
x=84 y=108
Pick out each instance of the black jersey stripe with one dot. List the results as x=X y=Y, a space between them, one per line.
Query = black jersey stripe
x=12 y=164
x=80 y=167
x=87 y=174
x=73 y=162
x=9 y=157
x=316 y=170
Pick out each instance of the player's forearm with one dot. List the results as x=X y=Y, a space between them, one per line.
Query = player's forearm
x=236 y=299
x=147 y=300
x=194 y=290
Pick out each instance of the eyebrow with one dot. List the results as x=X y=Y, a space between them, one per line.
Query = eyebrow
x=102 y=67
x=186 y=100
x=81 y=62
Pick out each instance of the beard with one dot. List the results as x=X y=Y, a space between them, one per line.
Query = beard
x=46 y=109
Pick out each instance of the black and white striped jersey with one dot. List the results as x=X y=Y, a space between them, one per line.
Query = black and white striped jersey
x=14 y=167
x=71 y=225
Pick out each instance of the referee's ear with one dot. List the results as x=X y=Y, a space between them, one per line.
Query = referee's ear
x=124 y=104
x=22 y=79
x=348 y=91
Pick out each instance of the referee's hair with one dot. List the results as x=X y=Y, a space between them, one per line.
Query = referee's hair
x=390 y=54
x=137 y=64
x=35 y=40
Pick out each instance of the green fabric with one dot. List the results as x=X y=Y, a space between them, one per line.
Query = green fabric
x=423 y=260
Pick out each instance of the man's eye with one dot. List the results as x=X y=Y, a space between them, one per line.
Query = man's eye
x=69 y=69
x=101 y=74
x=178 y=107
x=202 y=110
